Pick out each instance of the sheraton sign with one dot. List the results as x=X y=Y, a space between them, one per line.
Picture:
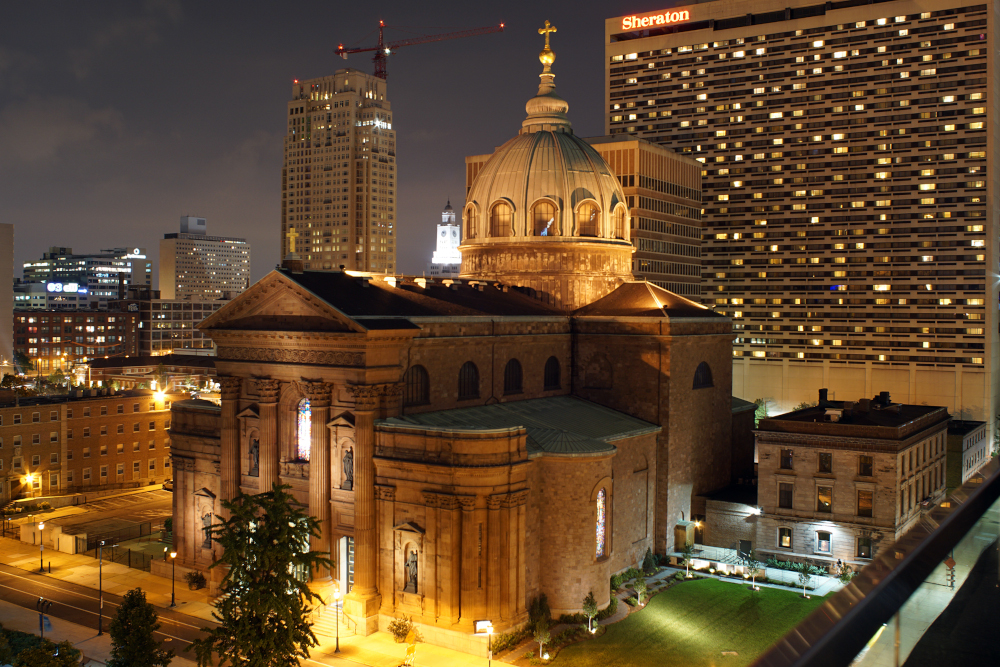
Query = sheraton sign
x=652 y=20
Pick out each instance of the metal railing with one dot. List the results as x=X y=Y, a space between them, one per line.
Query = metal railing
x=961 y=527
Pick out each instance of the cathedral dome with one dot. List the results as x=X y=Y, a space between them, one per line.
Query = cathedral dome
x=546 y=211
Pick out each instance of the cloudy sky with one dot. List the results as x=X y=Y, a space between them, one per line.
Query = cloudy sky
x=118 y=117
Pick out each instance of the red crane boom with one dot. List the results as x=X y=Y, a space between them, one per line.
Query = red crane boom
x=383 y=49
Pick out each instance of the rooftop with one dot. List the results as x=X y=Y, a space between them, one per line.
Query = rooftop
x=167 y=360
x=644 y=299
x=84 y=395
x=557 y=426
x=963 y=426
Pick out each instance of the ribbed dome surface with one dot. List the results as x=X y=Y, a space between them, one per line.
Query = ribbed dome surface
x=549 y=164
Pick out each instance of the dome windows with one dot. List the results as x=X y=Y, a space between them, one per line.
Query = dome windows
x=587 y=219
x=470 y=223
x=618 y=223
x=501 y=216
x=543 y=219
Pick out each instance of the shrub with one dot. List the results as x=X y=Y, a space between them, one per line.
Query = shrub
x=632 y=573
x=529 y=655
x=608 y=611
x=649 y=562
x=508 y=640
x=616 y=582
x=534 y=661
x=195 y=579
x=679 y=576
x=168 y=525
x=44 y=506
x=539 y=611
x=400 y=628
x=632 y=602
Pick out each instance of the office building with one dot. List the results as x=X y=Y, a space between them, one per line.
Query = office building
x=166 y=325
x=6 y=298
x=837 y=479
x=50 y=296
x=844 y=149
x=87 y=441
x=969 y=449
x=194 y=265
x=447 y=260
x=338 y=182
x=102 y=277
x=58 y=339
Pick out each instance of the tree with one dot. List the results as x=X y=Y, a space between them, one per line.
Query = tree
x=805 y=576
x=640 y=589
x=753 y=567
x=686 y=554
x=264 y=608
x=8 y=381
x=762 y=411
x=649 y=562
x=47 y=654
x=845 y=574
x=132 y=628
x=6 y=653
x=805 y=404
x=22 y=362
x=590 y=609
x=542 y=635
x=57 y=377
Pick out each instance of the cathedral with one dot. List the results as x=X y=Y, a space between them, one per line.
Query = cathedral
x=530 y=427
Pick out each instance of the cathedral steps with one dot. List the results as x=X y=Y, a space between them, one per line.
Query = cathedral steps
x=324 y=623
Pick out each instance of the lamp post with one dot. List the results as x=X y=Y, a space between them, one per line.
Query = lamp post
x=41 y=547
x=489 y=646
x=100 y=586
x=336 y=607
x=173 y=577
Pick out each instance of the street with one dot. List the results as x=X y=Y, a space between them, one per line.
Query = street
x=80 y=605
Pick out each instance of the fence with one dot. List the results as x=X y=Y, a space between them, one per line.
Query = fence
x=135 y=559
x=92 y=541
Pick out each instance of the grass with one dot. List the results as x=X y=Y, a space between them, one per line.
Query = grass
x=691 y=624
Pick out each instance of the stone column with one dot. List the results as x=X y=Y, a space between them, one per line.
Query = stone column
x=268 y=401
x=363 y=602
x=229 y=471
x=319 y=472
x=493 y=538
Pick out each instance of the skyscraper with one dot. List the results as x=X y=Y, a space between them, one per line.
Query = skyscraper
x=6 y=298
x=338 y=186
x=195 y=265
x=846 y=178
x=102 y=276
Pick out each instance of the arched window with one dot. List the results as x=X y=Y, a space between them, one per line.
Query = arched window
x=500 y=217
x=416 y=386
x=551 y=374
x=512 y=378
x=303 y=445
x=543 y=219
x=602 y=498
x=619 y=223
x=468 y=381
x=587 y=219
x=470 y=223
x=702 y=376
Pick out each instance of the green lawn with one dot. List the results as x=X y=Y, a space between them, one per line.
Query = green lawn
x=691 y=624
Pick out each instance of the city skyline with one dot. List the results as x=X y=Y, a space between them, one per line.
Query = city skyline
x=152 y=112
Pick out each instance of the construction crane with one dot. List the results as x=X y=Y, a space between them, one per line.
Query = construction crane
x=383 y=49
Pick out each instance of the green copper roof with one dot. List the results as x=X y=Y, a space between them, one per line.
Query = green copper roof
x=557 y=426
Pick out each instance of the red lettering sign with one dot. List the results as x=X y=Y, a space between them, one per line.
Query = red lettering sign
x=652 y=20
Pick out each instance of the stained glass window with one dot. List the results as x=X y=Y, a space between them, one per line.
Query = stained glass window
x=304 y=430
x=601 y=512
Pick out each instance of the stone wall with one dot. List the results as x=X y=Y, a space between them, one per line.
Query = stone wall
x=727 y=523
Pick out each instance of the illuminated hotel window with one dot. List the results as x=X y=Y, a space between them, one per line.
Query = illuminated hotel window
x=304 y=430
x=601 y=527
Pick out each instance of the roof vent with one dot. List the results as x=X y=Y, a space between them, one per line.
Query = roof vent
x=832 y=414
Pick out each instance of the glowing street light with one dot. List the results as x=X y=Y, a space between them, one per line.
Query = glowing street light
x=336 y=607
x=173 y=577
x=41 y=547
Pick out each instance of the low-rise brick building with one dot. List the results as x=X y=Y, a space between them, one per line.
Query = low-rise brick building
x=91 y=439
x=969 y=449
x=837 y=478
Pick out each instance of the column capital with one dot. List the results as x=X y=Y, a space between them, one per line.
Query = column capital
x=268 y=389
x=231 y=386
x=367 y=397
x=318 y=393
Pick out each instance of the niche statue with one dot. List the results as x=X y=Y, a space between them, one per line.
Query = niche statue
x=411 y=573
x=348 y=484
x=254 y=458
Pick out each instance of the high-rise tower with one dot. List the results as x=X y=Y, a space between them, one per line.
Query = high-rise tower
x=338 y=183
x=196 y=265
x=447 y=259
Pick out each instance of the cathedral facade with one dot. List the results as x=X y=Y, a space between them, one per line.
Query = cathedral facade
x=467 y=445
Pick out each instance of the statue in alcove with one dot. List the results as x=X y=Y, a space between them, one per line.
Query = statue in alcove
x=348 y=484
x=254 y=458
x=411 y=572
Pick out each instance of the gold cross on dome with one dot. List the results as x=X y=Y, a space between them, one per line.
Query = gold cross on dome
x=292 y=235
x=549 y=28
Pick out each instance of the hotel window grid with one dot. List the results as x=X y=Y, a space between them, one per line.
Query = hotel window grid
x=854 y=158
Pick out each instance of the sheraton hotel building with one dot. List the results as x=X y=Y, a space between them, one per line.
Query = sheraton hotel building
x=849 y=162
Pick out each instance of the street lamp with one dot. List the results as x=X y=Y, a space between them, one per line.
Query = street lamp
x=41 y=547
x=100 y=584
x=173 y=577
x=489 y=645
x=336 y=607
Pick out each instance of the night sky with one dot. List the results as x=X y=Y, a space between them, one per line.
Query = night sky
x=116 y=118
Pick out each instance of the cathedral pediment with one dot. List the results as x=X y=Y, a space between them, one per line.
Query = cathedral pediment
x=277 y=303
x=409 y=527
